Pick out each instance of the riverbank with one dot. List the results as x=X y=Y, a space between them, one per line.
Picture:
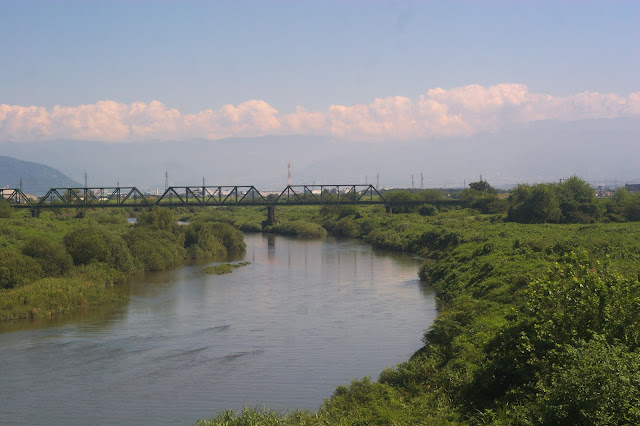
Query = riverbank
x=534 y=320
x=65 y=260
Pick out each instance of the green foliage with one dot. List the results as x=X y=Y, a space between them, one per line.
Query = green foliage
x=534 y=204
x=578 y=201
x=154 y=249
x=114 y=217
x=562 y=314
x=482 y=186
x=51 y=296
x=594 y=382
x=400 y=195
x=231 y=238
x=571 y=201
x=205 y=239
x=224 y=268
x=490 y=204
x=427 y=210
x=52 y=257
x=430 y=195
x=6 y=211
x=94 y=243
x=158 y=218
x=201 y=241
x=298 y=228
x=17 y=269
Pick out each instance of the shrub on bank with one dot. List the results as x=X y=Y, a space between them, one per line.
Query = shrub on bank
x=94 y=243
x=52 y=296
x=201 y=240
x=52 y=257
x=154 y=249
x=17 y=269
x=298 y=228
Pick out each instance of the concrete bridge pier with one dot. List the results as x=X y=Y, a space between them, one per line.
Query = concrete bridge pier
x=35 y=212
x=271 y=217
x=389 y=209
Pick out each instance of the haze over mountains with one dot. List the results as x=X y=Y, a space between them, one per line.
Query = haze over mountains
x=36 y=178
x=600 y=151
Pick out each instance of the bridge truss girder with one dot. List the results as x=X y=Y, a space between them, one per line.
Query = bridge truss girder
x=195 y=196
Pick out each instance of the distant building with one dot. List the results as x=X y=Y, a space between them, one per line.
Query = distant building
x=633 y=187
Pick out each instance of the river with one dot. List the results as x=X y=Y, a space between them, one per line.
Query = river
x=283 y=332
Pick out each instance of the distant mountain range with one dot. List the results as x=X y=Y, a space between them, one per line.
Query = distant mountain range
x=37 y=178
x=600 y=151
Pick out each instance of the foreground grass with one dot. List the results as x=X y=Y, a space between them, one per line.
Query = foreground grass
x=53 y=296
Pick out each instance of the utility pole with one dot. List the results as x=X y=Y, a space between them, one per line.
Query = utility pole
x=412 y=185
x=86 y=177
x=421 y=181
x=377 y=181
x=166 y=180
x=289 y=179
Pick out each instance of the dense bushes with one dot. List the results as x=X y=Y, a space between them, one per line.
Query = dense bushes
x=154 y=250
x=83 y=256
x=552 y=348
x=5 y=210
x=570 y=201
x=298 y=228
x=52 y=257
x=201 y=240
x=17 y=269
x=93 y=243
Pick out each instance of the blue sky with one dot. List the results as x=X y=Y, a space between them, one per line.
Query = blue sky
x=193 y=56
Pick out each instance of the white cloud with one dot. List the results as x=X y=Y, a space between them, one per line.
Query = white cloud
x=460 y=111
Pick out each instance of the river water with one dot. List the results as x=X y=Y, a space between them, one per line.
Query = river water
x=283 y=332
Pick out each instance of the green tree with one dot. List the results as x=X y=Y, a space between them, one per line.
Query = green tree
x=158 y=218
x=93 y=243
x=534 y=204
x=482 y=186
x=201 y=240
x=52 y=257
x=17 y=269
x=154 y=249
x=577 y=201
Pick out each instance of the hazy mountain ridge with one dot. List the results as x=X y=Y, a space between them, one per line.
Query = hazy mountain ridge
x=37 y=178
x=597 y=150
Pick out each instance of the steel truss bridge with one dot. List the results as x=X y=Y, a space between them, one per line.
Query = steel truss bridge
x=191 y=196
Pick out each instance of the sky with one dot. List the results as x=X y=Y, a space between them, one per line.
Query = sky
x=368 y=71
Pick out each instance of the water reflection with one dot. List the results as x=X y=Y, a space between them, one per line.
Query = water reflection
x=302 y=318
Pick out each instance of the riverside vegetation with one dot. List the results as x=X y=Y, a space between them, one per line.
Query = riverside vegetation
x=64 y=261
x=224 y=268
x=539 y=316
x=539 y=308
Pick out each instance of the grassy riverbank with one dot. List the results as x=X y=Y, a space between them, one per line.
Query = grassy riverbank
x=65 y=260
x=538 y=324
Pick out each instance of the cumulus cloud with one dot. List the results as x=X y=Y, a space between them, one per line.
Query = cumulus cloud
x=459 y=111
